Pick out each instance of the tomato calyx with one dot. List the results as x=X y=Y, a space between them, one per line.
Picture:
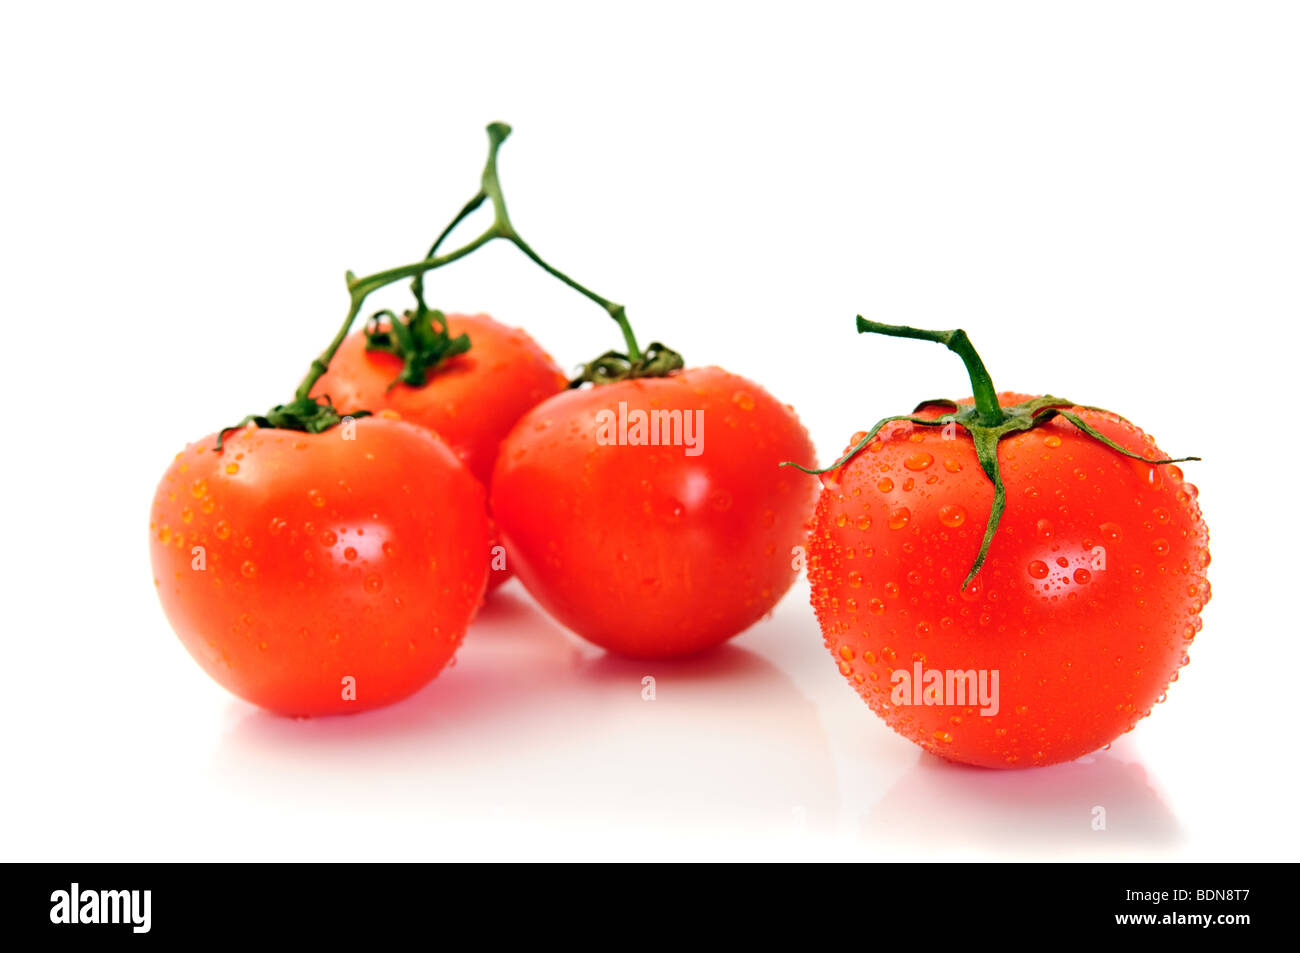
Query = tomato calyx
x=306 y=415
x=986 y=421
x=613 y=366
x=420 y=338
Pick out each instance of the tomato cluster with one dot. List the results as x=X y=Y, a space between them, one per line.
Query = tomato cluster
x=328 y=556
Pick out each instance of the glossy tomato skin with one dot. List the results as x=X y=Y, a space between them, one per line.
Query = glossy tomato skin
x=472 y=401
x=1085 y=606
x=288 y=562
x=647 y=550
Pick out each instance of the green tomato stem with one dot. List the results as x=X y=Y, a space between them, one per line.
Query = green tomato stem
x=986 y=395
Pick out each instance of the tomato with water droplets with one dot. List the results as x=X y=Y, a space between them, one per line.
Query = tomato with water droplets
x=663 y=548
x=325 y=573
x=1084 y=607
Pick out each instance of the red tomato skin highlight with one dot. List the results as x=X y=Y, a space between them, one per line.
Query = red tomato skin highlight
x=471 y=401
x=320 y=558
x=1085 y=640
x=645 y=550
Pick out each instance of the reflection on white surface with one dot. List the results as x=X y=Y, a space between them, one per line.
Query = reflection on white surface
x=535 y=728
x=536 y=744
x=1097 y=803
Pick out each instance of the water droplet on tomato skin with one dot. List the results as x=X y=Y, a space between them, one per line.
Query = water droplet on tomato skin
x=918 y=461
x=222 y=529
x=1111 y=532
x=885 y=485
x=900 y=517
x=1038 y=569
x=1082 y=577
x=232 y=468
x=952 y=515
x=1052 y=441
x=1160 y=547
x=374 y=582
x=249 y=569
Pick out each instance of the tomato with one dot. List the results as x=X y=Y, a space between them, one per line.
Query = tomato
x=655 y=551
x=471 y=400
x=290 y=563
x=1085 y=606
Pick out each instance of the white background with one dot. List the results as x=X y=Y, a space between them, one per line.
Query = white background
x=1103 y=194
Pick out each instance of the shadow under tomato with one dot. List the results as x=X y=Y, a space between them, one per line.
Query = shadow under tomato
x=536 y=726
x=1098 y=804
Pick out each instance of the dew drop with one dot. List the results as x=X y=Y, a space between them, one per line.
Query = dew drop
x=900 y=517
x=918 y=461
x=952 y=515
x=1038 y=569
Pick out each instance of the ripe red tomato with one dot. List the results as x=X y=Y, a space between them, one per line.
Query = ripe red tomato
x=647 y=550
x=471 y=400
x=1086 y=604
x=288 y=563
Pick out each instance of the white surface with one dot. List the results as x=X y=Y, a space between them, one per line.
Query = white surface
x=1103 y=194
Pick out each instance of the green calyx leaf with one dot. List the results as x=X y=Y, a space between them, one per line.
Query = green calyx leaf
x=420 y=338
x=985 y=420
x=613 y=366
x=307 y=415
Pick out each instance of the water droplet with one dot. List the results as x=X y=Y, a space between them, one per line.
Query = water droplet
x=222 y=529
x=885 y=485
x=919 y=460
x=1052 y=441
x=900 y=517
x=1111 y=532
x=952 y=515
x=199 y=489
x=248 y=569
x=316 y=497
x=374 y=582
x=854 y=578
x=1038 y=569
x=1082 y=576
x=1160 y=547
x=232 y=468
x=943 y=737
x=743 y=400
x=349 y=554
x=951 y=465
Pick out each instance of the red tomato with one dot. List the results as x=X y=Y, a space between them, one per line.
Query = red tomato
x=471 y=401
x=655 y=551
x=289 y=563
x=1085 y=606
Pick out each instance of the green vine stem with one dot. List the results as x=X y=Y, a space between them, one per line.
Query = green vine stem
x=985 y=420
x=313 y=415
